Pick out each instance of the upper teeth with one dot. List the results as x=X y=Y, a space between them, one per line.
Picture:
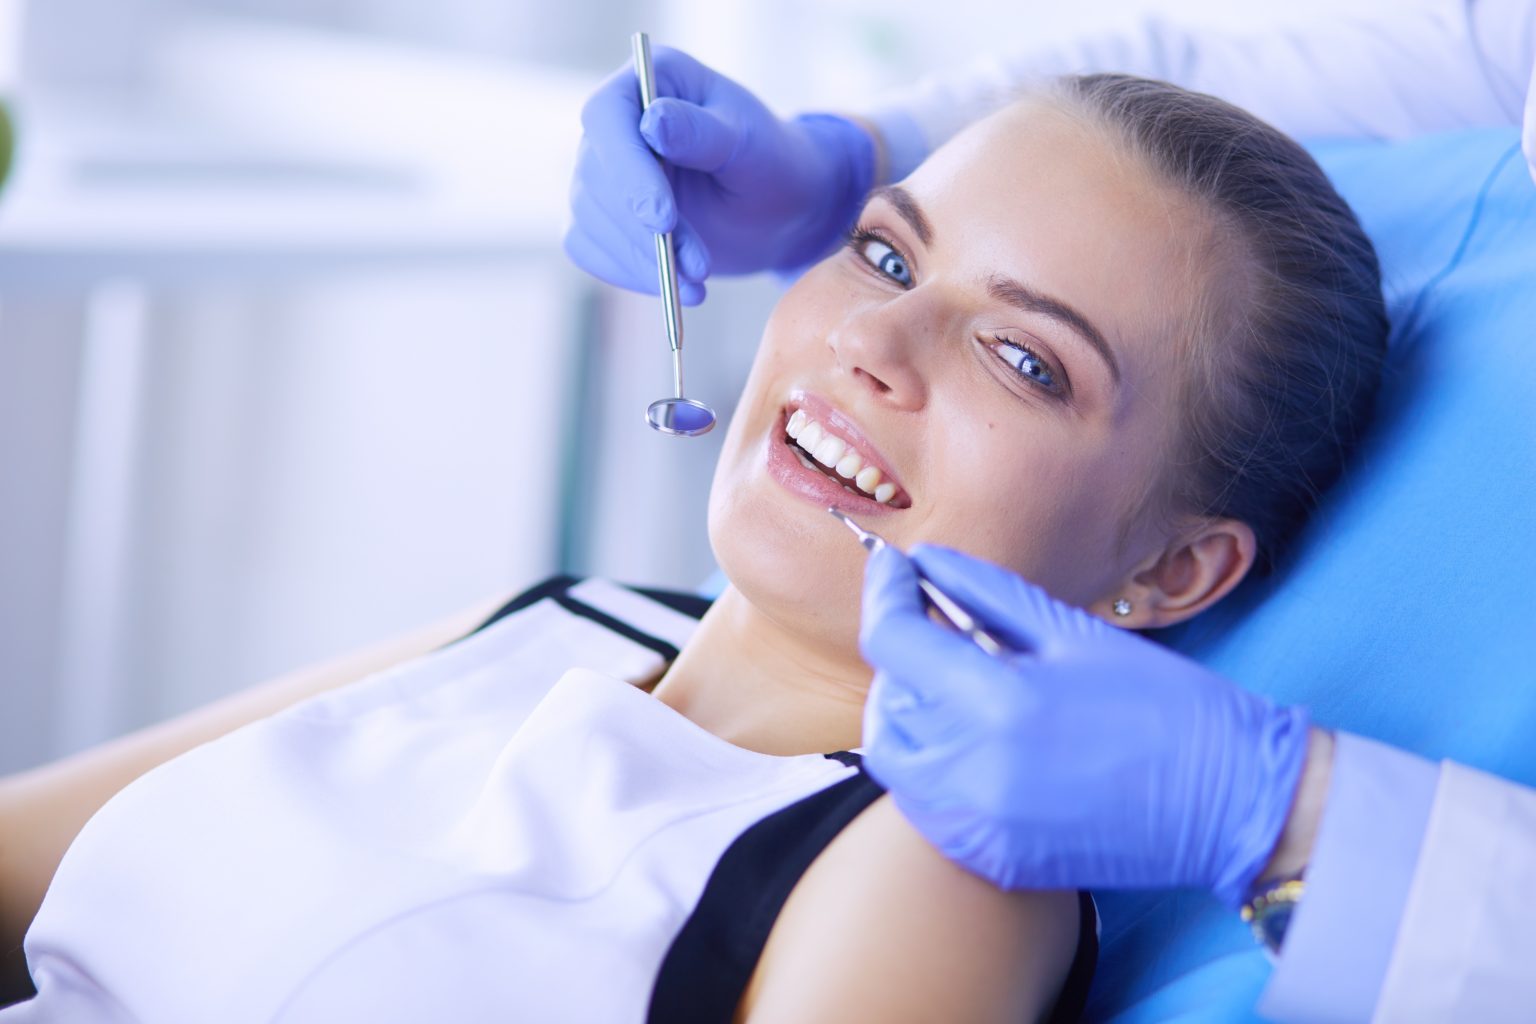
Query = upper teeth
x=831 y=450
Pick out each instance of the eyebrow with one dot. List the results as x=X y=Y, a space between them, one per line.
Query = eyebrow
x=908 y=208
x=1004 y=288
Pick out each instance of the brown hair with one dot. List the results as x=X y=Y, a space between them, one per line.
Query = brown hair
x=1286 y=360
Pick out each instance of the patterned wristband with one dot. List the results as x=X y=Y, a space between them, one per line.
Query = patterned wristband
x=1268 y=911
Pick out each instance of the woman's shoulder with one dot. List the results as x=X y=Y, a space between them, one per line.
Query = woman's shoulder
x=884 y=927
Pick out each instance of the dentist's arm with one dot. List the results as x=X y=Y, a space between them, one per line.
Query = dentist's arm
x=1100 y=759
x=1395 y=71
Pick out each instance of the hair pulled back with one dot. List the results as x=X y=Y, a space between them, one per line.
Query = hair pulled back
x=1287 y=354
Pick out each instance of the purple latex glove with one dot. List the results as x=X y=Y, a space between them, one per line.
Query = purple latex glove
x=743 y=191
x=1097 y=759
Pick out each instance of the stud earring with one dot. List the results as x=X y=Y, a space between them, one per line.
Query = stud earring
x=1121 y=606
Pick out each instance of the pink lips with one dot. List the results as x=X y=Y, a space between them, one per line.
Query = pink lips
x=817 y=487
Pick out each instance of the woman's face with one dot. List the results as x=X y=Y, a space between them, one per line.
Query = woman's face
x=1002 y=342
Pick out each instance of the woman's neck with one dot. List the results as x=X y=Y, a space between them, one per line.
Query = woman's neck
x=758 y=684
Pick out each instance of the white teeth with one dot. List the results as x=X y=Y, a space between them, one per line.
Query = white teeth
x=830 y=450
x=813 y=441
x=796 y=423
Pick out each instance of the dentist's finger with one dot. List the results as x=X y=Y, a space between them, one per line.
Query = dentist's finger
x=882 y=710
x=896 y=632
x=638 y=274
x=689 y=135
x=604 y=218
x=610 y=121
x=1028 y=617
x=896 y=709
x=890 y=587
x=917 y=774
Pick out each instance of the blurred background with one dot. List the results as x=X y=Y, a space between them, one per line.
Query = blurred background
x=290 y=359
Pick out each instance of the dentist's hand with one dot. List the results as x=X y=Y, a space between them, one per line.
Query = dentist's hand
x=743 y=190
x=1098 y=758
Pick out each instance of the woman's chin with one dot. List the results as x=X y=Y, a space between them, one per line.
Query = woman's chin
x=783 y=561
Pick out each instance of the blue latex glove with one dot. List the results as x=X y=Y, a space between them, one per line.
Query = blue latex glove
x=1098 y=759
x=743 y=191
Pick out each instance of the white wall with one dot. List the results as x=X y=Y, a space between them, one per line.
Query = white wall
x=291 y=471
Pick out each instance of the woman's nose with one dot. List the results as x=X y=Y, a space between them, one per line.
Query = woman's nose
x=885 y=348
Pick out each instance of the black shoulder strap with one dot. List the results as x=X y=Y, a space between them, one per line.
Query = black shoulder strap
x=707 y=968
x=1074 y=991
x=709 y=963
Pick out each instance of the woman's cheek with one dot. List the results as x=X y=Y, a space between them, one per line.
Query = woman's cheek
x=1009 y=499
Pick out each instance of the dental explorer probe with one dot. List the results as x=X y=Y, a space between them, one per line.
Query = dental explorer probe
x=948 y=608
x=679 y=416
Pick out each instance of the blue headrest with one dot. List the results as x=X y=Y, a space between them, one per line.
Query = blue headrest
x=1405 y=614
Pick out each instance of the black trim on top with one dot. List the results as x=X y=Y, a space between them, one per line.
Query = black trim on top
x=692 y=605
x=549 y=588
x=667 y=651
x=707 y=968
x=1073 y=997
x=711 y=960
x=557 y=588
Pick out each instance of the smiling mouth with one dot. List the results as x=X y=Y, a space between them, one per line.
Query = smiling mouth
x=820 y=449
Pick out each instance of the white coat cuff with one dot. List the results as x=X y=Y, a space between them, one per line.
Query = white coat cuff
x=1340 y=940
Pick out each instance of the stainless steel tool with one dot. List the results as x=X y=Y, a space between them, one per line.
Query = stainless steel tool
x=948 y=608
x=682 y=417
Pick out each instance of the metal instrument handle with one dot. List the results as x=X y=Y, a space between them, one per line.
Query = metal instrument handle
x=666 y=253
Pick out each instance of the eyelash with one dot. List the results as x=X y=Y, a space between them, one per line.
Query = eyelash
x=861 y=235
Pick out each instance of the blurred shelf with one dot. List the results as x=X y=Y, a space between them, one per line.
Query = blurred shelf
x=257 y=150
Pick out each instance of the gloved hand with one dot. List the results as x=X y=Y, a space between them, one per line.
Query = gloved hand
x=1096 y=759
x=743 y=191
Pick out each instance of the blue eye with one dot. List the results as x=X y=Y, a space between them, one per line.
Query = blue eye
x=884 y=258
x=1026 y=363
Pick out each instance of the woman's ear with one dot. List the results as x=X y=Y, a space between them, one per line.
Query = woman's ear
x=1197 y=569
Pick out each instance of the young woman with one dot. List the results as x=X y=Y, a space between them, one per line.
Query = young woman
x=1116 y=337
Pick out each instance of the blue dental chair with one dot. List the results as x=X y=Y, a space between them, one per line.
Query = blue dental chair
x=1405 y=614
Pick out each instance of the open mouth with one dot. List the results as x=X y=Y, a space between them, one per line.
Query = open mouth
x=821 y=444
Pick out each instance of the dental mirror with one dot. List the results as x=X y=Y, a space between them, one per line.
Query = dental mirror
x=679 y=416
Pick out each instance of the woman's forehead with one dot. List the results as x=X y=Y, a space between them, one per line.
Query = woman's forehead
x=1045 y=197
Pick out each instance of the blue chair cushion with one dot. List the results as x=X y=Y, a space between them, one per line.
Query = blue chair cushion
x=1404 y=613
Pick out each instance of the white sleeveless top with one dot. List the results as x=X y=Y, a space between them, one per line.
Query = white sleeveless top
x=501 y=830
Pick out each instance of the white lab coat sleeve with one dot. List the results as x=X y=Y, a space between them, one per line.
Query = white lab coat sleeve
x=1404 y=70
x=1341 y=938
x=1466 y=949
